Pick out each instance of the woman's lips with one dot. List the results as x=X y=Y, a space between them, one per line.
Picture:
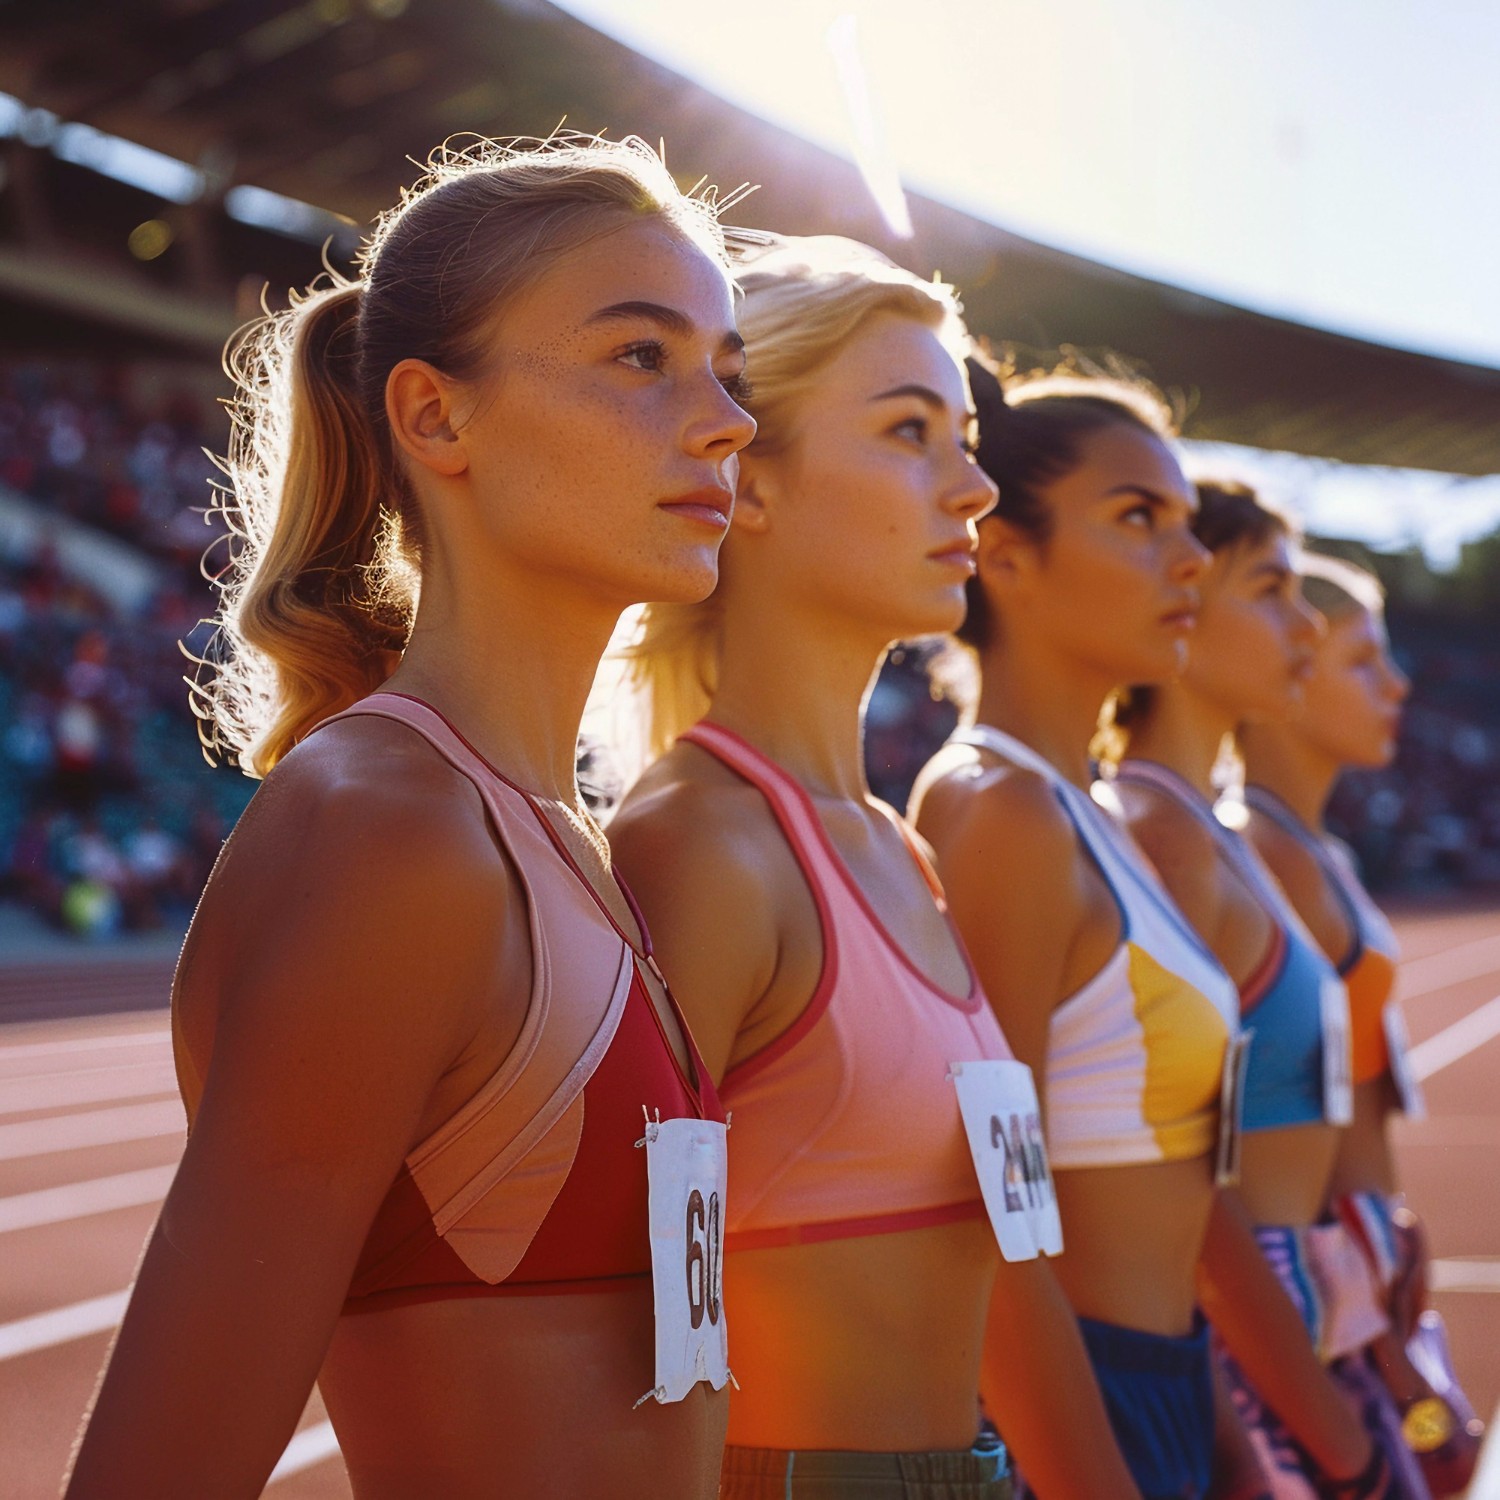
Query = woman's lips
x=711 y=506
x=958 y=555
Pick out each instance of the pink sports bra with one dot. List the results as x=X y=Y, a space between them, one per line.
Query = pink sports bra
x=536 y=1184
x=848 y=1123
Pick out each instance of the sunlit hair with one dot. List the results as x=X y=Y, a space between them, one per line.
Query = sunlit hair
x=318 y=600
x=1337 y=588
x=803 y=300
x=1032 y=429
x=1231 y=516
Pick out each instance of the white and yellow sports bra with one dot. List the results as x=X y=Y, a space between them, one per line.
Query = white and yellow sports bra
x=1135 y=1058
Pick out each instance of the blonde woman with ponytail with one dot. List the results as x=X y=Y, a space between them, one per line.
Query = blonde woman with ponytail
x=809 y=944
x=416 y=1019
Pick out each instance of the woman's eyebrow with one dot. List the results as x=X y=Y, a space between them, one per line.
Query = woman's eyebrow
x=922 y=393
x=668 y=318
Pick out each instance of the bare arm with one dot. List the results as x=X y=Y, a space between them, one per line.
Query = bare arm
x=1009 y=862
x=701 y=861
x=1010 y=866
x=1040 y=1388
x=351 y=966
x=1244 y=1300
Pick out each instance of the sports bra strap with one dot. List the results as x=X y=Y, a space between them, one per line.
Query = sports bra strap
x=1235 y=852
x=560 y=1045
x=987 y=737
x=788 y=800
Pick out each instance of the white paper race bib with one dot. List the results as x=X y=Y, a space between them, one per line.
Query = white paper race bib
x=1004 y=1124
x=1232 y=1109
x=1338 y=1067
x=1398 y=1044
x=687 y=1168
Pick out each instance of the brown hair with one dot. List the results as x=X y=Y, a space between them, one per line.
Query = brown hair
x=1231 y=515
x=1337 y=588
x=321 y=591
x=1031 y=432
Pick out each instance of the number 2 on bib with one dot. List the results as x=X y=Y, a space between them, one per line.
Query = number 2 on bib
x=1003 y=1121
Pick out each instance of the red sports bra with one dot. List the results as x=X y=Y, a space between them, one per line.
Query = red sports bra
x=536 y=1184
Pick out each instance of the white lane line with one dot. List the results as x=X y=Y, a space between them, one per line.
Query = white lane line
x=310 y=1446
x=1473 y=1273
x=159 y=1037
x=62 y=1324
x=18 y=1095
x=1458 y=1040
x=97 y=1315
x=95 y=1127
x=1485 y=1484
x=1437 y=971
x=77 y=1200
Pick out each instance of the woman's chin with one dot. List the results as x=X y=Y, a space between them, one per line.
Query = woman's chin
x=690 y=583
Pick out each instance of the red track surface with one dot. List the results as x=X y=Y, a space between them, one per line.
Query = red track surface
x=108 y=1078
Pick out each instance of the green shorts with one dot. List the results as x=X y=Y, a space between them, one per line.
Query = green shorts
x=978 y=1473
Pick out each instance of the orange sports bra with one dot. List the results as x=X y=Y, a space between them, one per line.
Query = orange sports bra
x=536 y=1183
x=1369 y=968
x=848 y=1124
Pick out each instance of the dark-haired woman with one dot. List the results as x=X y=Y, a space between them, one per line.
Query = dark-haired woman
x=1088 y=576
x=416 y=1020
x=1349 y=717
x=1248 y=663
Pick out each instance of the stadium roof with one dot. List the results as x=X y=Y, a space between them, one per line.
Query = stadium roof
x=323 y=101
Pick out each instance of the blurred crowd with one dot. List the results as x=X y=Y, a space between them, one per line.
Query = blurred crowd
x=110 y=818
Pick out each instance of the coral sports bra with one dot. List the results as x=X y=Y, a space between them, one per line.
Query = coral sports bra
x=1135 y=1057
x=848 y=1123
x=536 y=1183
x=1294 y=1002
x=1369 y=968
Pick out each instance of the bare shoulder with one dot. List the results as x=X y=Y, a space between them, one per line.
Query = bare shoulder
x=1171 y=836
x=1302 y=876
x=690 y=820
x=1293 y=864
x=1001 y=830
x=1183 y=849
x=972 y=804
x=363 y=876
x=364 y=801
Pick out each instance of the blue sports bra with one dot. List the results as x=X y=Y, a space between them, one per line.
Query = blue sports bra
x=1294 y=1003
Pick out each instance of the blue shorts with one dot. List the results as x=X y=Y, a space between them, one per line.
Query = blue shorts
x=1159 y=1393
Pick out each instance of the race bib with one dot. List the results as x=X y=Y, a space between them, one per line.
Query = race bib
x=1398 y=1044
x=1338 y=1083
x=687 y=1170
x=1232 y=1109
x=1003 y=1122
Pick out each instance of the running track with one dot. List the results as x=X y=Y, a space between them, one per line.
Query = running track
x=90 y=1128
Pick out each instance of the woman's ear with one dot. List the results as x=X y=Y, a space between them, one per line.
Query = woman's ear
x=1006 y=557
x=420 y=406
x=754 y=492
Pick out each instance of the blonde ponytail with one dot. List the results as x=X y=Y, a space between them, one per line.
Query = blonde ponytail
x=322 y=586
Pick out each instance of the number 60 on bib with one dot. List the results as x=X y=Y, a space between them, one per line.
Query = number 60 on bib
x=687 y=1172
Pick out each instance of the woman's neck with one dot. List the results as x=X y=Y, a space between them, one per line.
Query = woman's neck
x=1185 y=733
x=511 y=662
x=1048 y=704
x=796 y=690
x=1278 y=759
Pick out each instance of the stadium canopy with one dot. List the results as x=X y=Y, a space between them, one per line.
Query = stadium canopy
x=289 y=112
